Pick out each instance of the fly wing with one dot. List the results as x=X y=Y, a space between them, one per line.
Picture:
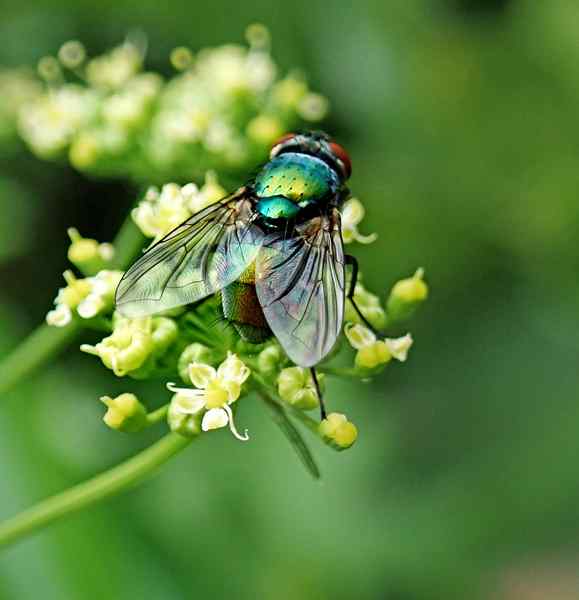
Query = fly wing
x=300 y=286
x=205 y=253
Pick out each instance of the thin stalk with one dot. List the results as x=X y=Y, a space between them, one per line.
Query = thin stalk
x=105 y=485
x=158 y=415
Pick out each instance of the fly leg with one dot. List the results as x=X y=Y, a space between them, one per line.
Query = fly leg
x=350 y=260
x=319 y=392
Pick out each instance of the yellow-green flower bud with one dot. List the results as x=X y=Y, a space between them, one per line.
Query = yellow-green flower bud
x=373 y=355
x=72 y=54
x=196 y=353
x=270 y=359
x=75 y=292
x=87 y=254
x=125 y=413
x=164 y=333
x=296 y=386
x=181 y=58
x=369 y=305
x=180 y=418
x=264 y=129
x=406 y=295
x=337 y=431
x=371 y=351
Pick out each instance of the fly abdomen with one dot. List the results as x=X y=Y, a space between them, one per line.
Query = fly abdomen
x=242 y=309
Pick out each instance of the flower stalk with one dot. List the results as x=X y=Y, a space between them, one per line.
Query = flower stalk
x=88 y=493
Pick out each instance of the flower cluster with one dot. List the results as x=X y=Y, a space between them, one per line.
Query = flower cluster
x=221 y=111
x=216 y=367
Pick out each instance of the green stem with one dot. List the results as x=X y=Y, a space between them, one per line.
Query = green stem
x=107 y=484
x=158 y=415
x=34 y=351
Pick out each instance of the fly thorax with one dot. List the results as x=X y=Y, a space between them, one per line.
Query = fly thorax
x=292 y=181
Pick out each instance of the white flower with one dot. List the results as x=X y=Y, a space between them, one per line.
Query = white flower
x=101 y=295
x=352 y=214
x=373 y=352
x=216 y=391
x=161 y=212
x=60 y=316
x=399 y=346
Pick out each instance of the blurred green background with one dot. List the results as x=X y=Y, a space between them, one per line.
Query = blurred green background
x=462 y=119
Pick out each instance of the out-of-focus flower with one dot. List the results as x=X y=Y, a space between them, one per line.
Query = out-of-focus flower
x=19 y=87
x=49 y=123
x=72 y=54
x=296 y=386
x=114 y=69
x=336 y=430
x=216 y=391
x=124 y=413
x=406 y=295
x=352 y=214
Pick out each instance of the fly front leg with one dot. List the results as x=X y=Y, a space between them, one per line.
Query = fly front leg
x=319 y=392
x=353 y=262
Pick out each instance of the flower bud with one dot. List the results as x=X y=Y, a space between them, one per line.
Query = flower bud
x=196 y=353
x=125 y=413
x=164 y=333
x=270 y=359
x=87 y=254
x=181 y=58
x=369 y=305
x=264 y=129
x=75 y=292
x=296 y=386
x=180 y=417
x=371 y=352
x=337 y=431
x=406 y=295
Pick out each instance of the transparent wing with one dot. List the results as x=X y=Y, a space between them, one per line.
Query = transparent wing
x=300 y=286
x=199 y=257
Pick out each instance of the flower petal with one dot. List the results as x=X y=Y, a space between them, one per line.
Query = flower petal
x=359 y=336
x=201 y=374
x=233 y=369
x=399 y=346
x=214 y=418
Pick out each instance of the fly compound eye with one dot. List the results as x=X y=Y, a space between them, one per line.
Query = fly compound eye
x=343 y=157
x=279 y=143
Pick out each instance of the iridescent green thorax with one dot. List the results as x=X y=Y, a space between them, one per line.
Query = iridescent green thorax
x=292 y=179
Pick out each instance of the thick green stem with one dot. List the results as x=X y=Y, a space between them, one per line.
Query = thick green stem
x=33 y=351
x=94 y=490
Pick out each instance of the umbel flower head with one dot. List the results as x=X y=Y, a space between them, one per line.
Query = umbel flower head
x=221 y=111
x=216 y=390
